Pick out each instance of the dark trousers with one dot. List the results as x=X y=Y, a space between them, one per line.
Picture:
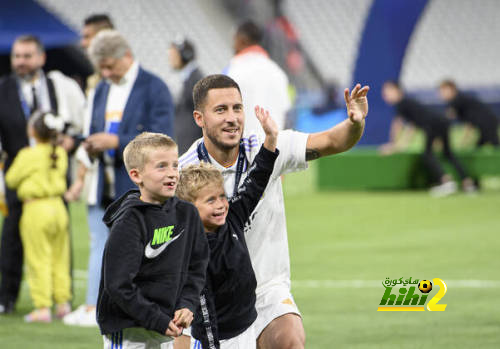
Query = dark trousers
x=488 y=135
x=440 y=131
x=11 y=251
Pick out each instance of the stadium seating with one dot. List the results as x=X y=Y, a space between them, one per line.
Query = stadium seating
x=330 y=32
x=151 y=26
x=454 y=39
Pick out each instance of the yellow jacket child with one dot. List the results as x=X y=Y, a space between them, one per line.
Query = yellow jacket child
x=38 y=174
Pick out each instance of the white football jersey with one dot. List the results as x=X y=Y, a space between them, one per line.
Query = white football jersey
x=265 y=232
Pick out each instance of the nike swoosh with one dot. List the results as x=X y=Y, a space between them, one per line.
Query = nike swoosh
x=151 y=253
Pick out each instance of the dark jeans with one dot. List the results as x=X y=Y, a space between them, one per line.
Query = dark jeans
x=11 y=251
x=440 y=131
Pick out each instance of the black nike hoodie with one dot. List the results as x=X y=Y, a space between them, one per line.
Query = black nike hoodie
x=154 y=263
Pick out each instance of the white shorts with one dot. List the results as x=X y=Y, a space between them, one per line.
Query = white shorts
x=271 y=304
x=136 y=338
x=245 y=340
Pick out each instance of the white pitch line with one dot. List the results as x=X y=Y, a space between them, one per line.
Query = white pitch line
x=79 y=274
x=376 y=284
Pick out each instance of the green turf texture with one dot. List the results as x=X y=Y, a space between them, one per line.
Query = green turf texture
x=353 y=236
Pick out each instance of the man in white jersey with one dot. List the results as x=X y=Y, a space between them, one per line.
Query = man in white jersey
x=219 y=112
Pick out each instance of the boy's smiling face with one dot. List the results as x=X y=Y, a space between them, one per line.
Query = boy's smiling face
x=158 y=179
x=212 y=206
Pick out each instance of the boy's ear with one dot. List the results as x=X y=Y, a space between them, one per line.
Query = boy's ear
x=135 y=176
x=198 y=118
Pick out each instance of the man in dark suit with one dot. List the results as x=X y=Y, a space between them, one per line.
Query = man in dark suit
x=22 y=92
x=127 y=101
x=181 y=57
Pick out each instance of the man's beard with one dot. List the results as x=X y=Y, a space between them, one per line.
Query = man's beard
x=226 y=147
x=29 y=76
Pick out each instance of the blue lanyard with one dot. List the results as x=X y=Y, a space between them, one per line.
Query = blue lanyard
x=203 y=156
x=24 y=104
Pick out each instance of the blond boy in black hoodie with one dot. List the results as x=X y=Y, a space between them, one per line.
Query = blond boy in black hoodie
x=156 y=256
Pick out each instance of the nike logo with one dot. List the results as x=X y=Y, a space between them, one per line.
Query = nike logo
x=151 y=252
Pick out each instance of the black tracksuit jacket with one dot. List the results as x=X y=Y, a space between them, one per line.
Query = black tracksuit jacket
x=228 y=300
x=154 y=263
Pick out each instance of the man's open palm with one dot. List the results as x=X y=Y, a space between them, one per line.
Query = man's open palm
x=356 y=103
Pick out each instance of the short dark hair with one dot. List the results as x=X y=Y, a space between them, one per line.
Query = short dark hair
x=251 y=31
x=31 y=38
x=448 y=83
x=101 y=20
x=210 y=82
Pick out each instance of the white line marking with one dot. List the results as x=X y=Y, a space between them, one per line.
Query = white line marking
x=79 y=274
x=377 y=284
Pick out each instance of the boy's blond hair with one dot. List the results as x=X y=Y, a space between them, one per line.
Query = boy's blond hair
x=135 y=153
x=195 y=177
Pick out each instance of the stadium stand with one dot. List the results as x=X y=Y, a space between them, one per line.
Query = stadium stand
x=151 y=26
x=330 y=32
x=454 y=38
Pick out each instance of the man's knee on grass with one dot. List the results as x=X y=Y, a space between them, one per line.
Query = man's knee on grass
x=285 y=332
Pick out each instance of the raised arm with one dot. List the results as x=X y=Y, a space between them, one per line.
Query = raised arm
x=242 y=205
x=345 y=135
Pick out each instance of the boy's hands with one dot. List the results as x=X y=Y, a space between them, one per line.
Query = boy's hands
x=183 y=318
x=269 y=126
x=172 y=330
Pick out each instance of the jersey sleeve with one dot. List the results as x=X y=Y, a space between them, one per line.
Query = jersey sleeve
x=125 y=244
x=292 y=146
x=250 y=191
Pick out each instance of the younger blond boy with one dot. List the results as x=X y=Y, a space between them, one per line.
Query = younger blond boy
x=227 y=304
x=156 y=256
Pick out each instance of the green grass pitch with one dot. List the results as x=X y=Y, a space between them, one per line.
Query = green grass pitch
x=342 y=246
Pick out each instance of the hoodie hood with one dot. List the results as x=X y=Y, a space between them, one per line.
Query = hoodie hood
x=131 y=199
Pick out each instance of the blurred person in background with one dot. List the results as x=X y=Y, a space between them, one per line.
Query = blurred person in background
x=435 y=126
x=330 y=102
x=127 y=101
x=92 y=25
x=181 y=57
x=26 y=90
x=87 y=172
x=472 y=112
x=261 y=80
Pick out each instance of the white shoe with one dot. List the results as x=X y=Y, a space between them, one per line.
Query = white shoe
x=81 y=317
x=445 y=189
x=470 y=190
